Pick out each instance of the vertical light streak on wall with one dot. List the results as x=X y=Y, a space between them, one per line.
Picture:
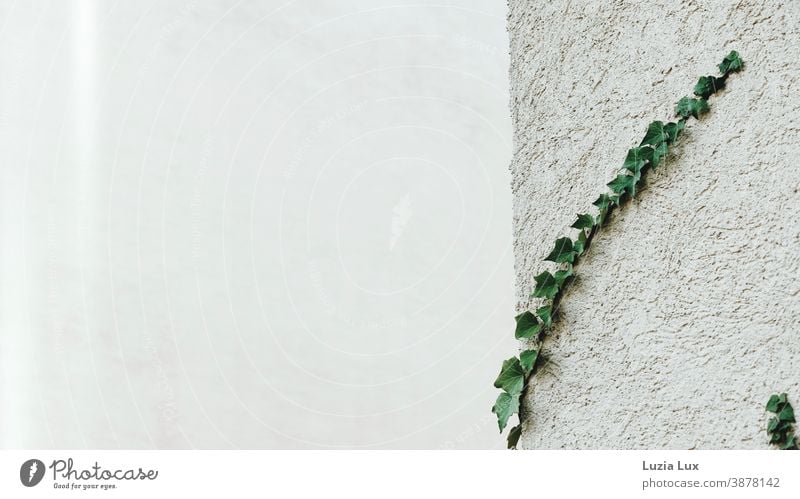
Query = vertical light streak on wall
x=22 y=362
x=83 y=71
x=84 y=165
x=18 y=399
x=83 y=47
x=13 y=397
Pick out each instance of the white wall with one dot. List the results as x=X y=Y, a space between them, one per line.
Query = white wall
x=686 y=312
x=261 y=224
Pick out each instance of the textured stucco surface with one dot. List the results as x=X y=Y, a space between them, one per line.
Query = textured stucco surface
x=686 y=312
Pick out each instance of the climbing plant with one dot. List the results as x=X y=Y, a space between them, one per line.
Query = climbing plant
x=532 y=326
x=781 y=426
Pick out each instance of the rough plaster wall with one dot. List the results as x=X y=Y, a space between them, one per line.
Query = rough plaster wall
x=685 y=315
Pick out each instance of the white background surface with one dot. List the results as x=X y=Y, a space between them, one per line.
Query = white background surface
x=274 y=224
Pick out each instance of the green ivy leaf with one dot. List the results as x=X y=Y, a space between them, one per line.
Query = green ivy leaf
x=674 y=130
x=579 y=247
x=783 y=426
x=527 y=360
x=546 y=286
x=691 y=107
x=584 y=221
x=546 y=315
x=527 y=326
x=624 y=184
x=511 y=378
x=604 y=204
x=786 y=414
x=659 y=153
x=775 y=401
x=790 y=443
x=606 y=201
x=513 y=436
x=655 y=134
x=636 y=158
x=780 y=427
x=504 y=407
x=562 y=275
x=772 y=425
x=731 y=63
x=707 y=86
x=563 y=251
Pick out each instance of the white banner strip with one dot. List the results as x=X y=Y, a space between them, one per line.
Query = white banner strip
x=400 y=474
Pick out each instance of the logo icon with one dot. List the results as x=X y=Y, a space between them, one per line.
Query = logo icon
x=31 y=472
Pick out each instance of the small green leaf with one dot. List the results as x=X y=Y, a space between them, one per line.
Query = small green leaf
x=772 y=404
x=605 y=201
x=790 y=443
x=513 y=436
x=636 y=158
x=527 y=326
x=786 y=414
x=655 y=134
x=691 y=107
x=624 y=184
x=731 y=63
x=658 y=153
x=781 y=426
x=584 y=221
x=527 y=360
x=546 y=315
x=504 y=407
x=604 y=204
x=707 y=86
x=674 y=130
x=562 y=275
x=511 y=378
x=563 y=251
x=546 y=286
x=579 y=246
x=772 y=425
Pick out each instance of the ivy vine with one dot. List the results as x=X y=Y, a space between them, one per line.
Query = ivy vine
x=781 y=426
x=516 y=372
